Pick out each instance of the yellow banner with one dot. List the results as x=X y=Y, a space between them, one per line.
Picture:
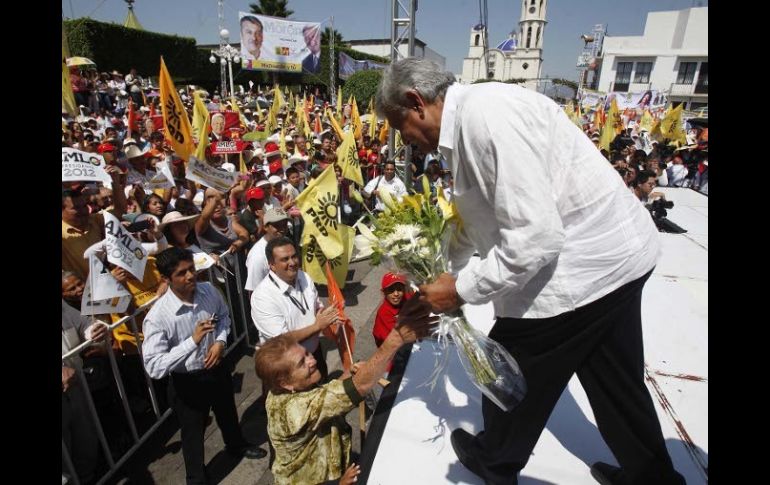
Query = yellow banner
x=175 y=121
x=347 y=159
x=68 y=103
x=314 y=259
x=203 y=141
x=319 y=205
x=335 y=125
x=200 y=116
x=355 y=119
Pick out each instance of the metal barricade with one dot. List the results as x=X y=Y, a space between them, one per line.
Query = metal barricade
x=239 y=332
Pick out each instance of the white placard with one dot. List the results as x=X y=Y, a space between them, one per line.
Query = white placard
x=122 y=248
x=105 y=285
x=116 y=304
x=78 y=166
x=203 y=173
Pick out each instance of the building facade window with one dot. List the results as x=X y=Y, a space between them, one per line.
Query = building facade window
x=642 y=73
x=686 y=72
x=476 y=42
x=623 y=76
x=529 y=37
x=702 y=86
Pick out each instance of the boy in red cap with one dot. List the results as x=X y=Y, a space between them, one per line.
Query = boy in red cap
x=394 y=290
x=251 y=217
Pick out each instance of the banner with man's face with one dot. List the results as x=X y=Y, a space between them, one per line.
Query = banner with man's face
x=272 y=44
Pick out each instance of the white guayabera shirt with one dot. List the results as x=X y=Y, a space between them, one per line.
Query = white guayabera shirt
x=555 y=226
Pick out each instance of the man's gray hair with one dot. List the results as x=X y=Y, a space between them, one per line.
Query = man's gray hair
x=426 y=77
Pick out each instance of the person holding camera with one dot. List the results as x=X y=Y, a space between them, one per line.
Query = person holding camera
x=185 y=337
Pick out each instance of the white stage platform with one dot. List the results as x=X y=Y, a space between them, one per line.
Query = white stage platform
x=415 y=449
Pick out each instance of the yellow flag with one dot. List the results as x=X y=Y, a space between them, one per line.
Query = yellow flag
x=200 y=116
x=203 y=141
x=272 y=121
x=175 y=121
x=372 y=126
x=319 y=205
x=384 y=132
x=357 y=126
x=609 y=130
x=242 y=164
x=347 y=159
x=282 y=143
x=671 y=125
x=335 y=125
x=68 y=103
x=278 y=100
x=314 y=259
x=646 y=121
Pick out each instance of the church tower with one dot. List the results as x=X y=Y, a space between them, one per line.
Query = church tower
x=473 y=64
x=531 y=30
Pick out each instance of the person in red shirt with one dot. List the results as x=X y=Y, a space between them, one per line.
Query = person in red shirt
x=395 y=293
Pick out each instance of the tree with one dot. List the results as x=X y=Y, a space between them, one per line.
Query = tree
x=274 y=8
x=362 y=85
x=327 y=33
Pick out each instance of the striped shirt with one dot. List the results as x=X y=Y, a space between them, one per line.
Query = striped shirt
x=168 y=329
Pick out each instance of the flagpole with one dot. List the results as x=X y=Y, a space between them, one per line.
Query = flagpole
x=332 y=91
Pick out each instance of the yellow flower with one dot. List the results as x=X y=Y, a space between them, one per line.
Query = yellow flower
x=414 y=201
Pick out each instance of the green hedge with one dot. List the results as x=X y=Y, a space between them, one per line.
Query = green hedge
x=362 y=85
x=112 y=46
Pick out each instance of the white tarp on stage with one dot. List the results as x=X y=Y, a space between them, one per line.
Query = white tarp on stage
x=415 y=446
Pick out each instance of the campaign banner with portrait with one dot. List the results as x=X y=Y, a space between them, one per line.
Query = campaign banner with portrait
x=122 y=248
x=643 y=100
x=349 y=66
x=275 y=44
x=203 y=173
x=228 y=147
x=223 y=123
x=77 y=166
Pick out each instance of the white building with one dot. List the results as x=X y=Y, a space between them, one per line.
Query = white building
x=381 y=47
x=671 y=57
x=520 y=56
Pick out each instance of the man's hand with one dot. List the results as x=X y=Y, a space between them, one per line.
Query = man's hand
x=100 y=332
x=326 y=317
x=67 y=378
x=120 y=274
x=214 y=355
x=203 y=328
x=114 y=172
x=441 y=295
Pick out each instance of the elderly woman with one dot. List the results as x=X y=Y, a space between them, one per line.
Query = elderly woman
x=305 y=421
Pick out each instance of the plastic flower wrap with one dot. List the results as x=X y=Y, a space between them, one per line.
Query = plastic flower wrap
x=414 y=234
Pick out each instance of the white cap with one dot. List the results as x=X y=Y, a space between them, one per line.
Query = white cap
x=228 y=167
x=274 y=179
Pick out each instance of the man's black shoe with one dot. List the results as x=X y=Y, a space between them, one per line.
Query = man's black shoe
x=252 y=452
x=462 y=442
x=606 y=474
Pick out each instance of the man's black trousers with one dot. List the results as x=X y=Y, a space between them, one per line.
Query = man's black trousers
x=602 y=343
x=192 y=396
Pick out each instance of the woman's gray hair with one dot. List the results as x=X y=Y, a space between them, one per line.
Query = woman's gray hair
x=426 y=77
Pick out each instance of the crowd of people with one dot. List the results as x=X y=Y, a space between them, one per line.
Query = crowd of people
x=197 y=236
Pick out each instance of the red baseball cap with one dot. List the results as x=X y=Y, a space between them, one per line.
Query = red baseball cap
x=373 y=158
x=106 y=147
x=255 y=193
x=389 y=279
x=275 y=166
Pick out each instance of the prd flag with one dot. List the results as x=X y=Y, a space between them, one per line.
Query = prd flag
x=68 y=103
x=671 y=125
x=319 y=205
x=335 y=125
x=175 y=121
x=341 y=332
x=384 y=132
x=610 y=126
x=646 y=121
x=347 y=159
x=355 y=120
x=203 y=141
x=200 y=116
x=314 y=259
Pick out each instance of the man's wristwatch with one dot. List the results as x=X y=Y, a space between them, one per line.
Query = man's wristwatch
x=224 y=344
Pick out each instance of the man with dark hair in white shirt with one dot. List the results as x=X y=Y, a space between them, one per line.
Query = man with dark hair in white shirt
x=185 y=334
x=286 y=301
x=565 y=251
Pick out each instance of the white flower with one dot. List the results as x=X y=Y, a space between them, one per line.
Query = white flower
x=424 y=252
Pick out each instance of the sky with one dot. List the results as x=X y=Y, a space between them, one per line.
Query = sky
x=444 y=25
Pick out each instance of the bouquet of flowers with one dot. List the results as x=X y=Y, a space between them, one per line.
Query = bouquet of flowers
x=414 y=234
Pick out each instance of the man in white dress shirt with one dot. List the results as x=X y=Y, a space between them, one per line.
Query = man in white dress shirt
x=276 y=223
x=185 y=335
x=388 y=181
x=286 y=301
x=565 y=251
